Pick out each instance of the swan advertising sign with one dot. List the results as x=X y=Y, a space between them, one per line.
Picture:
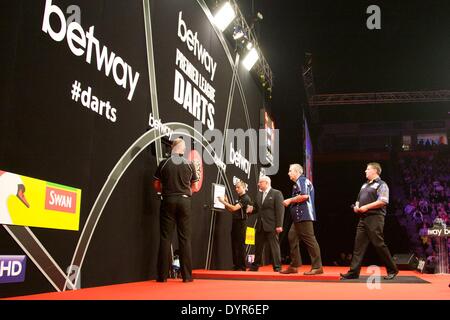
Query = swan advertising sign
x=36 y=203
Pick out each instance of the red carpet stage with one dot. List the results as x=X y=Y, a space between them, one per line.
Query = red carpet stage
x=264 y=274
x=267 y=285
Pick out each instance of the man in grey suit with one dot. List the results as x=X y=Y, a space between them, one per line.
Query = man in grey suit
x=270 y=210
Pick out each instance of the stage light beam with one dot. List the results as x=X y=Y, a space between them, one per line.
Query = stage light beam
x=224 y=16
x=250 y=59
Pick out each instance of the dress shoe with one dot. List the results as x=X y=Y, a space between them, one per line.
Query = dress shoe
x=314 y=271
x=188 y=280
x=348 y=276
x=289 y=270
x=161 y=280
x=391 y=276
x=253 y=269
x=277 y=269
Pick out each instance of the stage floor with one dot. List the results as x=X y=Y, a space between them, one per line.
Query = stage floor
x=268 y=285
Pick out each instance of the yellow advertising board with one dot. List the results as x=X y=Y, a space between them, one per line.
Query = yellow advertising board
x=250 y=236
x=31 y=202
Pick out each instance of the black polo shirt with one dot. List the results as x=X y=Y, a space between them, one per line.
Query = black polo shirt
x=176 y=175
x=372 y=191
x=244 y=201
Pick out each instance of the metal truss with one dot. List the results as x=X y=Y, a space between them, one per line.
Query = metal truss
x=308 y=81
x=262 y=66
x=377 y=97
x=337 y=99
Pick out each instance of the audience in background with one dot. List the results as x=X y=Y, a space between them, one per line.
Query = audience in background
x=423 y=199
x=344 y=259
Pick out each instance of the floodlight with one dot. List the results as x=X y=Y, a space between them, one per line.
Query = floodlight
x=224 y=16
x=250 y=59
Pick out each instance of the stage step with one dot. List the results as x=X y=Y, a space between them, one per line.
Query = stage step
x=261 y=275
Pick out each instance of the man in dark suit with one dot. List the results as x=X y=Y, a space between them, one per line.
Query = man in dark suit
x=270 y=210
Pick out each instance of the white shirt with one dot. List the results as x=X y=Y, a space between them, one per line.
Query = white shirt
x=265 y=194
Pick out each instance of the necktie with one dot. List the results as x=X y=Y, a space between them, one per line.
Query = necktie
x=264 y=196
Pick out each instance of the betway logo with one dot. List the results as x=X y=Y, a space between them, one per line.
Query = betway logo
x=81 y=42
x=193 y=44
x=60 y=200
x=239 y=160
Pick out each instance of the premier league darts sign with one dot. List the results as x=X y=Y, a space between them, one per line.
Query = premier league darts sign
x=190 y=54
x=198 y=103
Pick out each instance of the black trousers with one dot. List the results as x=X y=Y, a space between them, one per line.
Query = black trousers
x=304 y=231
x=261 y=237
x=175 y=210
x=370 y=230
x=238 y=230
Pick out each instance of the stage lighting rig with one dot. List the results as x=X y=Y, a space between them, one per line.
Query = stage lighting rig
x=244 y=35
x=238 y=33
x=245 y=40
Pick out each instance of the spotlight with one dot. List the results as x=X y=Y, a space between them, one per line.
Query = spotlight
x=250 y=59
x=224 y=16
x=237 y=33
x=256 y=18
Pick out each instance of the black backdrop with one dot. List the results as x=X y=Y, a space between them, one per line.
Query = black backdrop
x=47 y=135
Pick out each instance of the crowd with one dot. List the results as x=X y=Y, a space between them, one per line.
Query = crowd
x=425 y=201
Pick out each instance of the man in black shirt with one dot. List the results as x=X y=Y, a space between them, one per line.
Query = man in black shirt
x=239 y=226
x=371 y=207
x=175 y=178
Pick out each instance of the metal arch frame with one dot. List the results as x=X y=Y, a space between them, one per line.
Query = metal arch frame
x=31 y=244
x=42 y=258
x=113 y=178
x=234 y=81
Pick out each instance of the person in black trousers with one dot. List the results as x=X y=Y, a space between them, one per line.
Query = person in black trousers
x=303 y=214
x=239 y=226
x=371 y=208
x=175 y=178
x=270 y=210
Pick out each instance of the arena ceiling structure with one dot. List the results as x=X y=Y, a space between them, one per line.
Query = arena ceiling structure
x=410 y=52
